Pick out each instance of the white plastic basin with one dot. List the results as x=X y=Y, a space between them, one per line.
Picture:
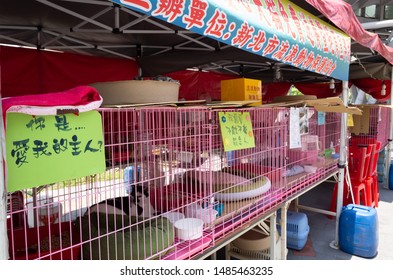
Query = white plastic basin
x=189 y=228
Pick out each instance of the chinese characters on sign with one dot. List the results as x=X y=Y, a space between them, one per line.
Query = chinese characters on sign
x=236 y=130
x=276 y=29
x=254 y=92
x=48 y=149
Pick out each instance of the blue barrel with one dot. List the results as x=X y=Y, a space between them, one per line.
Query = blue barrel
x=358 y=230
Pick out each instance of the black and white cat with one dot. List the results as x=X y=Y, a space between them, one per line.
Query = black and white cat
x=137 y=203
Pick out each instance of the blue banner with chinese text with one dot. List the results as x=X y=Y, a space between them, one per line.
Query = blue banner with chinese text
x=276 y=29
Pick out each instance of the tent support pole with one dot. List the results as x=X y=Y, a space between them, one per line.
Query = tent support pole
x=390 y=140
x=3 y=193
x=341 y=164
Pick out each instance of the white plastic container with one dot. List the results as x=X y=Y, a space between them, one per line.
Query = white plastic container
x=207 y=215
x=49 y=213
x=173 y=216
x=192 y=210
x=184 y=157
x=189 y=228
x=46 y=211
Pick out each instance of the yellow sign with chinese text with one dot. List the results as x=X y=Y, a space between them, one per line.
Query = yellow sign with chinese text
x=236 y=130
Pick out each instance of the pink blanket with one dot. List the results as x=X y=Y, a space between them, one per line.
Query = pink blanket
x=76 y=100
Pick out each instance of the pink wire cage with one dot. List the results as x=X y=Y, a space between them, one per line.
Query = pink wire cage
x=377 y=129
x=166 y=169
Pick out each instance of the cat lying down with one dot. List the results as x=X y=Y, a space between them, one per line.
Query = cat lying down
x=137 y=203
x=119 y=229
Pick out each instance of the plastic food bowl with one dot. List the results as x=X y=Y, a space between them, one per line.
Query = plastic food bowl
x=188 y=228
x=192 y=210
x=173 y=216
x=207 y=215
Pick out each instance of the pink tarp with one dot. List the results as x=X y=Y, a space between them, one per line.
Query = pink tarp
x=342 y=15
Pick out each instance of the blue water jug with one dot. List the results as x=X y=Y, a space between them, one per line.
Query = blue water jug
x=358 y=230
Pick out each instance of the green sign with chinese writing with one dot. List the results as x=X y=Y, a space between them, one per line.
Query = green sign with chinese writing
x=48 y=149
x=236 y=130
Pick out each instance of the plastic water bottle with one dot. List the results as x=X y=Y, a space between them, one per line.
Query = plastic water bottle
x=130 y=177
x=230 y=158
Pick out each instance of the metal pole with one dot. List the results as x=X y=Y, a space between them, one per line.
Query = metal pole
x=3 y=192
x=377 y=24
x=283 y=225
x=3 y=203
x=389 y=154
x=341 y=164
x=272 y=232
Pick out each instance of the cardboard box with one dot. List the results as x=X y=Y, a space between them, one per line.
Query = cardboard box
x=330 y=104
x=361 y=123
x=242 y=89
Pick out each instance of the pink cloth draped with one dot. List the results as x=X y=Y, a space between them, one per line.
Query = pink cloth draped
x=342 y=15
x=78 y=96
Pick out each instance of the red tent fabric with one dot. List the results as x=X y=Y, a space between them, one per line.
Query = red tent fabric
x=374 y=87
x=28 y=71
x=195 y=85
x=269 y=91
x=320 y=90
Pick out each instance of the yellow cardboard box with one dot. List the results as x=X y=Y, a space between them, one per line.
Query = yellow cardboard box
x=242 y=89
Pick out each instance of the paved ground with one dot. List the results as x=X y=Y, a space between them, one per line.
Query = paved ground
x=322 y=229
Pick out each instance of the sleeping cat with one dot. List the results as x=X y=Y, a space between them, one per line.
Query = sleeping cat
x=137 y=203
